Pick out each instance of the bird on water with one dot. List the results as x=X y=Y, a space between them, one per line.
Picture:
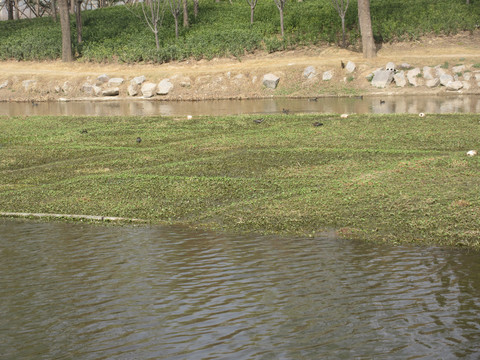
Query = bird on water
x=285 y=111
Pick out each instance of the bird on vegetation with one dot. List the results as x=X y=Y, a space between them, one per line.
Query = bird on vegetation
x=139 y=140
x=84 y=131
x=342 y=64
x=285 y=111
x=317 y=124
x=258 y=121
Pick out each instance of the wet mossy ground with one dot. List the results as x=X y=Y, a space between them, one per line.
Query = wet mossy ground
x=392 y=178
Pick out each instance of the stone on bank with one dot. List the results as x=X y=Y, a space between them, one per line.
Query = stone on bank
x=270 y=81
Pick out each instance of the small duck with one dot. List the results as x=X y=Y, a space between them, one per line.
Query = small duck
x=84 y=131
x=286 y=111
x=317 y=124
x=342 y=64
x=34 y=103
x=258 y=121
x=139 y=140
x=313 y=99
x=382 y=102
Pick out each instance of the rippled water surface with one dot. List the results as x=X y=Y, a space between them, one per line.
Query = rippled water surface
x=75 y=291
x=360 y=105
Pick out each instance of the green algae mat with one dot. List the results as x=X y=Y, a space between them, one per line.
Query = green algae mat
x=392 y=178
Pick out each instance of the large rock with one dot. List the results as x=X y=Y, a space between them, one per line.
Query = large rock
x=327 y=75
x=148 y=89
x=467 y=76
x=29 y=84
x=115 y=82
x=445 y=79
x=477 y=76
x=97 y=90
x=390 y=67
x=466 y=85
x=87 y=88
x=139 y=80
x=350 y=67
x=412 y=76
x=132 y=90
x=440 y=71
x=4 y=84
x=270 y=81
x=164 y=87
x=309 y=72
x=454 y=85
x=459 y=69
x=102 y=79
x=428 y=73
x=432 y=82
x=114 y=91
x=382 y=78
x=399 y=79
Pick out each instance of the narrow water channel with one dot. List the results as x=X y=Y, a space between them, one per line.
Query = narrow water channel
x=358 y=105
x=76 y=291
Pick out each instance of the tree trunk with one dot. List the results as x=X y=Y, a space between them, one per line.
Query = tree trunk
x=344 y=40
x=65 y=25
x=54 y=10
x=37 y=8
x=368 y=44
x=185 y=13
x=176 y=25
x=78 y=19
x=10 y=9
x=252 y=11
x=17 y=10
x=281 y=21
x=195 y=8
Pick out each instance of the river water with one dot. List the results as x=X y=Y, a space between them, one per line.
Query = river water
x=359 y=105
x=77 y=291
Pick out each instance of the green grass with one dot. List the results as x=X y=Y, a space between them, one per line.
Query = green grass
x=393 y=178
x=223 y=29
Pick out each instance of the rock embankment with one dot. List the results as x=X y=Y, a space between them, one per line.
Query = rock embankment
x=344 y=78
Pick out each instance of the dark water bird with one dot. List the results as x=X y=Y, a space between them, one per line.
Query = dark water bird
x=139 y=140
x=358 y=97
x=342 y=64
x=285 y=111
x=84 y=131
x=313 y=99
x=34 y=103
x=317 y=124
x=382 y=101
x=258 y=121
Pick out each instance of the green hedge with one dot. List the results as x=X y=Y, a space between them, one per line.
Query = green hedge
x=223 y=29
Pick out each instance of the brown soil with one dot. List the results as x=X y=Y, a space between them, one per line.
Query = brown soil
x=233 y=78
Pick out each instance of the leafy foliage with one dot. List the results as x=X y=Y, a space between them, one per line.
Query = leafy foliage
x=223 y=29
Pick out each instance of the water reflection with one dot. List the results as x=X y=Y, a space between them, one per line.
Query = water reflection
x=92 y=292
x=377 y=105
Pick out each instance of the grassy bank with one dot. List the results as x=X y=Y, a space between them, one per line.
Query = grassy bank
x=223 y=29
x=395 y=178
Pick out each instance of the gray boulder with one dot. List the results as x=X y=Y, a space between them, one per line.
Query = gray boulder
x=466 y=85
x=164 y=87
x=428 y=73
x=454 y=85
x=459 y=69
x=139 y=80
x=270 y=81
x=467 y=76
x=350 y=67
x=148 y=89
x=399 y=79
x=87 y=88
x=309 y=72
x=390 y=66
x=477 y=76
x=132 y=90
x=111 y=91
x=382 y=78
x=115 y=82
x=440 y=71
x=327 y=75
x=102 y=79
x=431 y=83
x=445 y=79
x=412 y=76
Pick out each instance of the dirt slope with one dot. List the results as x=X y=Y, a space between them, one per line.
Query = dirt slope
x=231 y=78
